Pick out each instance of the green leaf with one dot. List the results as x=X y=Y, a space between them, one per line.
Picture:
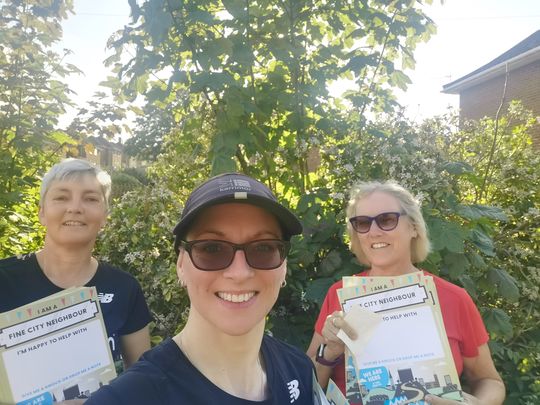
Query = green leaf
x=468 y=283
x=446 y=235
x=456 y=264
x=458 y=168
x=359 y=62
x=242 y=53
x=62 y=138
x=179 y=76
x=215 y=48
x=483 y=242
x=234 y=7
x=476 y=260
x=201 y=16
x=330 y=262
x=317 y=289
x=235 y=109
x=476 y=211
x=497 y=321
x=324 y=124
x=506 y=284
x=159 y=22
x=400 y=79
x=223 y=164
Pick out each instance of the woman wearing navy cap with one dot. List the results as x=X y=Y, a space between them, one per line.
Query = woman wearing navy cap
x=232 y=240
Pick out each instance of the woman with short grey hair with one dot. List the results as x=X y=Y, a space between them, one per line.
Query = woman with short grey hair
x=73 y=209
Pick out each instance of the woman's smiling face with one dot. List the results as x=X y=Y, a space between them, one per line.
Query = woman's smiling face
x=236 y=299
x=73 y=210
x=388 y=251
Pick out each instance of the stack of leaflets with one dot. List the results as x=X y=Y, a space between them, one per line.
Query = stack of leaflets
x=402 y=351
x=54 y=349
x=334 y=394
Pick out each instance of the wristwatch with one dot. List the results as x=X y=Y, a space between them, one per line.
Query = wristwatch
x=319 y=358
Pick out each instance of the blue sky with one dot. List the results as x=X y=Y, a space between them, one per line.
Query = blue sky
x=470 y=34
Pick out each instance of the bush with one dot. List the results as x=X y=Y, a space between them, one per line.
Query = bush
x=138 y=239
x=123 y=183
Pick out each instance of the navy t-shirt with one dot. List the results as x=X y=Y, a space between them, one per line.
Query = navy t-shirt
x=165 y=376
x=121 y=299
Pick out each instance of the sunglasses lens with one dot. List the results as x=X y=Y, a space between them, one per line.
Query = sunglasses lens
x=361 y=224
x=211 y=255
x=387 y=220
x=265 y=254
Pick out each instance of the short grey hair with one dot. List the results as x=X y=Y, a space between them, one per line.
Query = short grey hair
x=71 y=168
x=420 y=245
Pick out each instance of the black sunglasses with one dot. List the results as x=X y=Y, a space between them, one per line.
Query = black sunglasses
x=386 y=221
x=213 y=255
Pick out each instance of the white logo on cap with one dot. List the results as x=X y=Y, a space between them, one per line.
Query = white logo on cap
x=242 y=184
x=235 y=184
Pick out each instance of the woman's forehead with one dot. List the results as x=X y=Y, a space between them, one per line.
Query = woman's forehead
x=378 y=201
x=85 y=182
x=222 y=217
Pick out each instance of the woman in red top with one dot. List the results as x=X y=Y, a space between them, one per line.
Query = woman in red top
x=388 y=234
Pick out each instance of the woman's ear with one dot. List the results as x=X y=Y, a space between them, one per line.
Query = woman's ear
x=179 y=270
x=41 y=215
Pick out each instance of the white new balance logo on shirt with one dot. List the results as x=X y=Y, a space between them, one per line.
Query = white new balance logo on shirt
x=105 y=298
x=294 y=392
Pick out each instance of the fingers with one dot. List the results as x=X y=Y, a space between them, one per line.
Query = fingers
x=342 y=324
x=435 y=400
x=333 y=324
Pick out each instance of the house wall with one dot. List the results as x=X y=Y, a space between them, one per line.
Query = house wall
x=116 y=160
x=523 y=84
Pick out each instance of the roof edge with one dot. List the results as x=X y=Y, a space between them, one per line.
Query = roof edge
x=518 y=61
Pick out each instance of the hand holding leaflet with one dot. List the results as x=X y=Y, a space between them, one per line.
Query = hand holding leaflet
x=364 y=322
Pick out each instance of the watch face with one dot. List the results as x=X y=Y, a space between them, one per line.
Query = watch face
x=320 y=351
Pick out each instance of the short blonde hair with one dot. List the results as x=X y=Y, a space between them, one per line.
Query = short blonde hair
x=74 y=168
x=420 y=245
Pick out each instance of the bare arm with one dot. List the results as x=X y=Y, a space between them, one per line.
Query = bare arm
x=335 y=347
x=134 y=345
x=487 y=387
x=323 y=372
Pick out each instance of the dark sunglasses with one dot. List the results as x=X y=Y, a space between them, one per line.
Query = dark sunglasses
x=386 y=221
x=213 y=255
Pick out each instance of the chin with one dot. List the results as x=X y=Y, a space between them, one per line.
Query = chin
x=241 y=328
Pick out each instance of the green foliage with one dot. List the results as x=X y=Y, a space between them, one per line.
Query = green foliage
x=99 y=118
x=138 y=239
x=20 y=230
x=138 y=173
x=32 y=97
x=258 y=71
x=508 y=287
x=513 y=183
x=123 y=183
x=152 y=125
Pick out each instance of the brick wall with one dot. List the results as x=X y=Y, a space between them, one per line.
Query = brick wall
x=523 y=84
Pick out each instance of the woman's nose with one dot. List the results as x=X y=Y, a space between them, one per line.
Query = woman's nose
x=239 y=268
x=75 y=205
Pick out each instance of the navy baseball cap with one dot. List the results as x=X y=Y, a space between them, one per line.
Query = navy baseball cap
x=234 y=188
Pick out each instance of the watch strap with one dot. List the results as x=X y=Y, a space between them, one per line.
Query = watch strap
x=319 y=357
